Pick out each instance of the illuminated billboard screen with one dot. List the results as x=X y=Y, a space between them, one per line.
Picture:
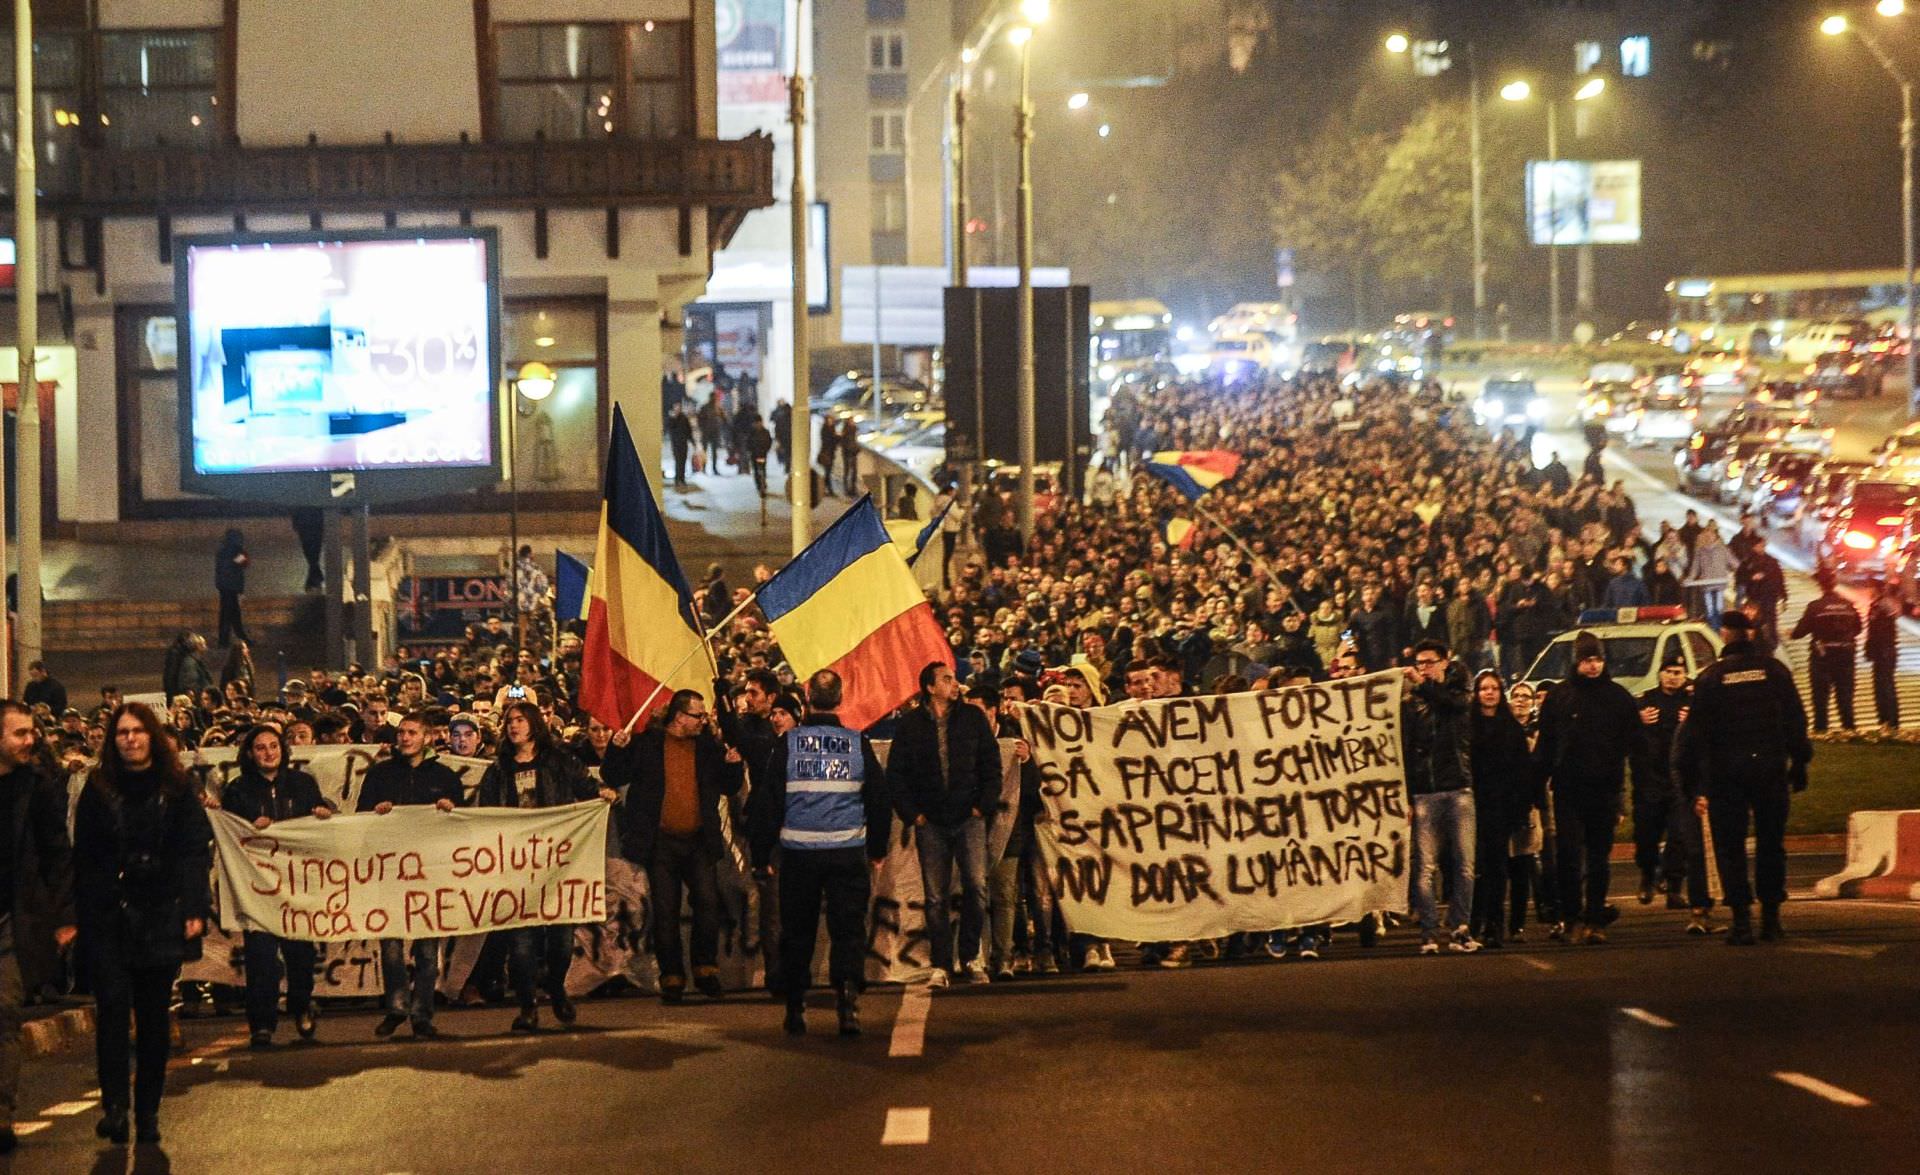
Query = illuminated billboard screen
x=372 y=354
x=1577 y=202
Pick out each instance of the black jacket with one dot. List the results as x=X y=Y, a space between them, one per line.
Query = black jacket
x=42 y=872
x=640 y=766
x=229 y=572
x=972 y=779
x=1657 y=781
x=395 y=781
x=560 y=781
x=290 y=794
x=1589 y=728
x=767 y=806
x=1746 y=719
x=1503 y=778
x=142 y=861
x=1434 y=732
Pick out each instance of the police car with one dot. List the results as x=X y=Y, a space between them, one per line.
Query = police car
x=1637 y=642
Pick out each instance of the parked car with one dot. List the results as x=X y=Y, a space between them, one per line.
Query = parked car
x=1637 y=642
x=855 y=390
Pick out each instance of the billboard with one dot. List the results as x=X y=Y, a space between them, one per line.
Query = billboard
x=750 y=39
x=308 y=356
x=1579 y=202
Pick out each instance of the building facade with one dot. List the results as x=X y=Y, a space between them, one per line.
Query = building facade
x=584 y=131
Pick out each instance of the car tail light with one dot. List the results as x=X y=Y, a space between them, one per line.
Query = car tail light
x=1858 y=541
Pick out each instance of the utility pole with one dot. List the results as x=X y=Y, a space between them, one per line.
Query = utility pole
x=1023 y=231
x=1553 y=218
x=957 y=182
x=1479 y=227
x=800 y=469
x=26 y=215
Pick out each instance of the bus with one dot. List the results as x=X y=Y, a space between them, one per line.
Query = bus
x=1758 y=313
x=1131 y=335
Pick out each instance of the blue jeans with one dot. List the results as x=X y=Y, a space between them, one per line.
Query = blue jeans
x=1443 y=822
x=940 y=849
x=413 y=1000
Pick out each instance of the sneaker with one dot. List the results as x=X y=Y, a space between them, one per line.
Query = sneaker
x=1180 y=956
x=424 y=1030
x=1463 y=943
x=307 y=1023
x=937 y=977
x=1429 y=947
x=262 y=1039
x=1106 y=957
x=1022 y=964
x=1091 y=960
x=976 y=972
x=527 y=1021
x=564 y=1011
x=389 y=1024
x=709 y=985
x=1675 y=899
x=673 y=990
x=1309 y=946
x=1209 y=948
x=1048 y=964
x=1700 y=925
x=1491 y=941
x=1595 y=937
x=1577 y=935
x=1557 y=932
x=1742 y=933
x=1277 y=945
x=1004 y=972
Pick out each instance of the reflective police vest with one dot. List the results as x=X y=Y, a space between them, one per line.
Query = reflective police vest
x=825 y=773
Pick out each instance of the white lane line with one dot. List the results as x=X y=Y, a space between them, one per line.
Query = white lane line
x=907 y=1126
x=1819 y=1088
x=1647 y=1018
x=25 y=1128
x=1536 y=964
x=1844 y=952
x=910 y=1023
x=68 y=1109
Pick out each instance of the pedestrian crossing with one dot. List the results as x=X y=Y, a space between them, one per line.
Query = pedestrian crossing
x=1800 y=591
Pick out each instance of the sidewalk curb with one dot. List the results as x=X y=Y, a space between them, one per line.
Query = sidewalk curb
x=1811 y=843
x=64 y=1030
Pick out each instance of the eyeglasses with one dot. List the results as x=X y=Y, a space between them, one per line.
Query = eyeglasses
x=1424 y=662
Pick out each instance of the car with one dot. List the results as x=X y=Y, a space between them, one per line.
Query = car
x=1777 y=481
x=1867 y=524
x=1841 y=375
x=892 y=430
x=1728 y=473
x=1607 y=403
x=855 y=390
x=1661 y=415
x=1900 y=451
x=1696 y=463
x=1509 y=401
x=1789 y=425
x=1636 y=640
x=1826 y=490
x=1721 y=369
x=1820 y=338
x=1234 y=358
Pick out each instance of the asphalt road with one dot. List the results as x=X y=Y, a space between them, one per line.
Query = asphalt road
x=1655 y=1053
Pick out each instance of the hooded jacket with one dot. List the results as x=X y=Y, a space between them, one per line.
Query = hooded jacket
x=1589 y=728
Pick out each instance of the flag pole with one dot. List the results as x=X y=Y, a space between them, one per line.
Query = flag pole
x=1258 y=562
x=705 y=636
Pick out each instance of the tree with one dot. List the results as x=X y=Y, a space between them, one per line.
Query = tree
x=1316 y=201
x=1422 y=198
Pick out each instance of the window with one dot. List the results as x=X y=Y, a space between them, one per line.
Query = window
x=660 y=102
x=56 y=94
x=1636 y=57
x=889 y=209
x=556 y=81
x=887 y=132
x=887 y=52
x=564 y=334
x=160 y=86
x=563 y=81
x=1586 y=55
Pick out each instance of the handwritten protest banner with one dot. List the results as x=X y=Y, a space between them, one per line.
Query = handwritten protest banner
x=1197 y=817
x=413 y=873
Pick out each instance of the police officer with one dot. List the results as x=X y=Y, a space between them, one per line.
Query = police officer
x=1883 y=650
x=823 y=800
x=1834 y=624
x=1743 y=745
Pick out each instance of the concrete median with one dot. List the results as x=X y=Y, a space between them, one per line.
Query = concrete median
x=1883 y=858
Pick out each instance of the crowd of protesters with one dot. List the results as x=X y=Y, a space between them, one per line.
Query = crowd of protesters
x=1374 y=527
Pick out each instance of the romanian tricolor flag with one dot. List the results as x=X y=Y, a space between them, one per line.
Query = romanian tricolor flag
x=570 y=577
x=641 y=631
x=849 y=603
x=1178 y=533
x=1193 y=473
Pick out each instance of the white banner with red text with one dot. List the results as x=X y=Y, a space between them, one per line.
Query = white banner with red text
x=415 y=872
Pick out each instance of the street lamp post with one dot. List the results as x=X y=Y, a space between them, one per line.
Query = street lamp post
x=534 y=382
x=27 y=304
x=1520 y=91
x=1400 y=43
x=1835 y=26
x=800 y=427
x=1035 y=11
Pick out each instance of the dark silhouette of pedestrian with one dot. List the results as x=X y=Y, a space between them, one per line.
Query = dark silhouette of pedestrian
x=230 y=580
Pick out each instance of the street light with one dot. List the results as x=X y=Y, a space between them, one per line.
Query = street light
x=1520 y=90
x=1021 y=36
x=534 y=382
x=1078 y=101
x=1891 y=7
x=1398 y=43
x=1834 y=26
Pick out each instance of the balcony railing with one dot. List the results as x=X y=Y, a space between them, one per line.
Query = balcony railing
x=726 y=173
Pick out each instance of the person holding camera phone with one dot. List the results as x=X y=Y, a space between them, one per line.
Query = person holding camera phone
x=142 y=855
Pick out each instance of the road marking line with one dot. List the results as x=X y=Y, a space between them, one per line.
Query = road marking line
x=68 y=1109
x=1819 y=1088
x=26 y=1128
x=1536 y=964
x=1648 y=1018
x=908 y=1126
x=910 y=1023
x=1844 y=952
